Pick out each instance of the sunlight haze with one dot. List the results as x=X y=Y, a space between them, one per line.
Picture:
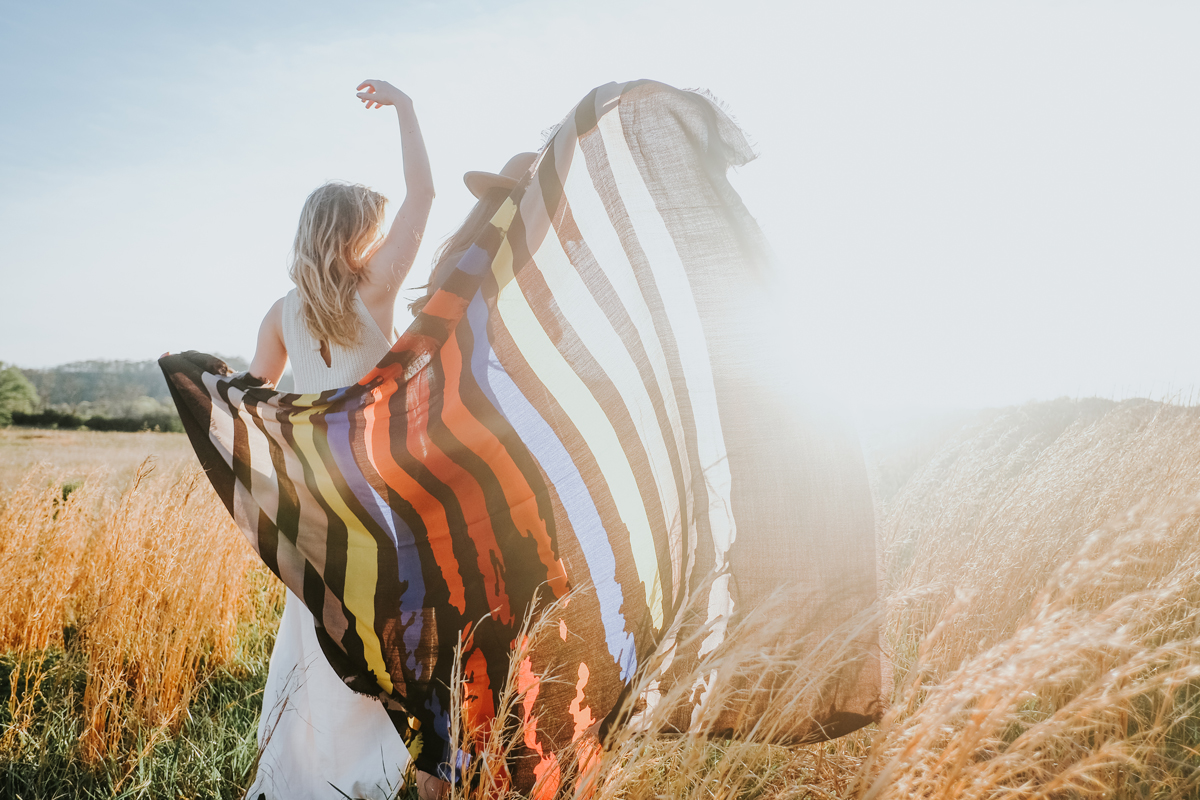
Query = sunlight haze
x=970 y=204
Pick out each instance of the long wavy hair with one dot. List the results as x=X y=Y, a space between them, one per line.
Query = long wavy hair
x=340 y=224
x=457 y=243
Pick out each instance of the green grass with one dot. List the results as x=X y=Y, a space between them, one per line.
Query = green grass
x=209 y=756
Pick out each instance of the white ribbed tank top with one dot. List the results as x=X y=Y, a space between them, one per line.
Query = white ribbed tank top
x=346 y=366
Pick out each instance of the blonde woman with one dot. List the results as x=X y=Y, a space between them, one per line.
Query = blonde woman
x=317 y=738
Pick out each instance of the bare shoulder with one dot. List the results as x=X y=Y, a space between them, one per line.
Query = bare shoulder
x=274 y=317
x=270 y=356
x=272 y=323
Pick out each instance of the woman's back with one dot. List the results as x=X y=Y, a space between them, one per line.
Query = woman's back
x=346 y=365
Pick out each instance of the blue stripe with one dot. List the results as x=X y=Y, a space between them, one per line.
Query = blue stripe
x=408 y=562
x=581 y=511
x=475 y=261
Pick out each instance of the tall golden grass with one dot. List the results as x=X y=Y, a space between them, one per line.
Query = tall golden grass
x=1042 y=598
x=1043 y=577
x=1040 y=591
x=150 y=586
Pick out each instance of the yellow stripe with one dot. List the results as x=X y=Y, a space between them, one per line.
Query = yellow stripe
x=503 y=217
x=362 y=558
x=588 y=417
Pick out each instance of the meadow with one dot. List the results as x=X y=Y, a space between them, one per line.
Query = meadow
x=1040 y=581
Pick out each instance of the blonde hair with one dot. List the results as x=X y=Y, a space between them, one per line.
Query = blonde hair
x=339 y=225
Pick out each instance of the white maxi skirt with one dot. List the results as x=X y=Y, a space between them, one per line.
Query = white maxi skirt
x=319 y=739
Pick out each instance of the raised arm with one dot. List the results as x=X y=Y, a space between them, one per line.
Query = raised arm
x=389 y=264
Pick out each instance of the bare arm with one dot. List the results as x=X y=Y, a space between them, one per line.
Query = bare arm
x=270 y=357
x=389 y=264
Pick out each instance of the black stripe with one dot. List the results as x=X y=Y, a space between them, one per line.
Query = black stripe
x=592 y=273
x=287 y=515
x=571 y=347
x=585 y=113
x=184 y=373
x=481 y=408
x=513 y=361
x=461 y=545
x=551 y=187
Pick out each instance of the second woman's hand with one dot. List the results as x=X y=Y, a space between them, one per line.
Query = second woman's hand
x=377 y=94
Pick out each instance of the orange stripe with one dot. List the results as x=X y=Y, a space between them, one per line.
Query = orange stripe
x=579 y=712
x=478 y=708
x=433 y=515
x=446 y=305
x=466 y=489
x=477 y=437
x=546 y=772
x=588 y=761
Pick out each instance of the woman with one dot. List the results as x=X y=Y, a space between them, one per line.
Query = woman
x=334 y=327
x=608 y=416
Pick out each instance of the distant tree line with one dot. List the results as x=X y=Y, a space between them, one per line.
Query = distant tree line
x=111 y=382
x=114 y=388
x=67 y=421
x=98 y=395
x=16 y=394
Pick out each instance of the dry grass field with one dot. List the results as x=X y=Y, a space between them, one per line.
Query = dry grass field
x=1041 y=579
x=72 y=455
x=136 y=622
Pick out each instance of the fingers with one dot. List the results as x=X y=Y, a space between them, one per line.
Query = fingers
x=368 y=95
x=370 y=100
x=377 y=94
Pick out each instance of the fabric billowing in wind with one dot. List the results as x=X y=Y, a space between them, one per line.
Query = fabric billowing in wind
x=597 y=399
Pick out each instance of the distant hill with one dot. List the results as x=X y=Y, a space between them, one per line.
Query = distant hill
x=109 y=388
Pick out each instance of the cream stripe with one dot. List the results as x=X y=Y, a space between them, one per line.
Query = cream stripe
x=221 y=431
x=684 y=318
x=264 y=483
x=587 y=416
x=592 y=219
x=313 y=521
x=579 y=309
x=220 y=425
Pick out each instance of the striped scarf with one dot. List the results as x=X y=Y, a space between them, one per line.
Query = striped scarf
x=598 y=399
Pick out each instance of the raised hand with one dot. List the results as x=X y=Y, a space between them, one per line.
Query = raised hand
x=390 y=262
x=377 y=94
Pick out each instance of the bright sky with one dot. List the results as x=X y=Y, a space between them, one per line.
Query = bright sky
x=972 y=203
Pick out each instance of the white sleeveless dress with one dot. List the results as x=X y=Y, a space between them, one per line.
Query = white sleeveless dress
x=315 y=733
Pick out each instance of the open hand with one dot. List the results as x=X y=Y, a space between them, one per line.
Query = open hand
x=377 y=94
